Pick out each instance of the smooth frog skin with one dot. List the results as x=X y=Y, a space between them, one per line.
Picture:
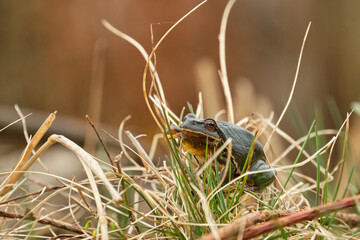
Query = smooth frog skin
x=194 y=133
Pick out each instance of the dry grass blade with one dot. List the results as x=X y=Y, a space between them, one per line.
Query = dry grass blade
x=146 y=159
x=45 y=189
x=183 y=196
x=88 y=208
x=14 y=176
x=200 y=107
x=121 y=142
x=90 y=164
x=223 y=73
x=209 y=218
x=149 y=60
x=46 y=220
x=345 y=123
x=87 y=159
x=292 y=89
x=309 y=159
x=20 y=119
x=154 y=144
x=296 y=144
x=142 y=51
x=161 y=105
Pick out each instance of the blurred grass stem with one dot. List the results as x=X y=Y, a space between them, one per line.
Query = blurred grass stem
x=292 y=89
x=223 y=71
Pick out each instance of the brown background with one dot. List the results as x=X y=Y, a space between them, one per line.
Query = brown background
x=46 y=53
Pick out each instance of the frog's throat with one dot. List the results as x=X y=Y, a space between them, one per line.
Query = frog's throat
x=195 y=142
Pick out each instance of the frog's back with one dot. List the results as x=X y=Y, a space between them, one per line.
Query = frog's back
x=241 y=142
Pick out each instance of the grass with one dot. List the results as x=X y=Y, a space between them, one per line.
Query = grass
x=177 y=198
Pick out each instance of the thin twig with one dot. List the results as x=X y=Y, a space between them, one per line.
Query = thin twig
x=83 y=198
x=96 y=91
x=102 y=142
x=47 y=189
x=45 y=220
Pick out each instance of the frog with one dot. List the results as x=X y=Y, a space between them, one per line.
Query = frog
x=200 y=137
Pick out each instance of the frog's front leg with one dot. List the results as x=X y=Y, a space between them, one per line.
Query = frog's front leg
x=260 y=180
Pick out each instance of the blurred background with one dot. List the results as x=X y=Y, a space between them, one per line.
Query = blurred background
x=51 y=51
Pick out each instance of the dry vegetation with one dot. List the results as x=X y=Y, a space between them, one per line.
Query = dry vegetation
x=131 y=197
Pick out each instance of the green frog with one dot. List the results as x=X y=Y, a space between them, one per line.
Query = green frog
x=195 y=133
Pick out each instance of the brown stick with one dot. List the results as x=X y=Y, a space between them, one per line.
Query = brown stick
x=264 y=216
x=46 y=220
x=233 y=230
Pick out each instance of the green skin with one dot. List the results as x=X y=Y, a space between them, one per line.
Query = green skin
x=195 y=132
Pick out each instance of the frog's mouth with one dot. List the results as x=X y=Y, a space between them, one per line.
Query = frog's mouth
x=195 y=142
x=187 y=133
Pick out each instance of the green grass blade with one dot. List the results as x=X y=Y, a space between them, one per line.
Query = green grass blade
x=237 y=194
x=345 y=148
x=181 y=174
x=318 y=172
x=191 y=109
x=297 y=159
x=343 y=196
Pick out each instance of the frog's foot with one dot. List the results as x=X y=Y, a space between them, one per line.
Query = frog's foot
x=261 y=180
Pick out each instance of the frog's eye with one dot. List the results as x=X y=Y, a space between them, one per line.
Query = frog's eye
x=210 y=125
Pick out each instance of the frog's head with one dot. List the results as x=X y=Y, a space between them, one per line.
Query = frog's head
x=196 y=133
x=199 y=127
